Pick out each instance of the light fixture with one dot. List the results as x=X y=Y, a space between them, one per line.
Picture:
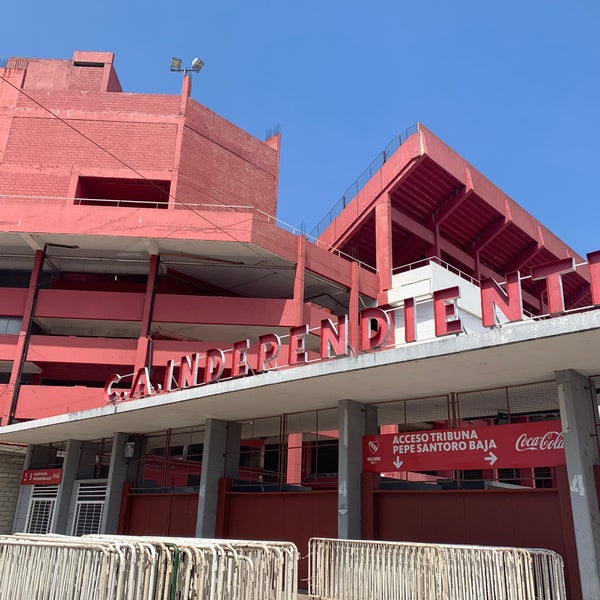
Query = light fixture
x=197 y=64
x=129 y=450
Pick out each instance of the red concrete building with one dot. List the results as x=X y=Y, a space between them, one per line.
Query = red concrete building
x=139 y=252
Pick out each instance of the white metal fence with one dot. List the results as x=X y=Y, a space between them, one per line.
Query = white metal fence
x=356 y=570
x=97 y=567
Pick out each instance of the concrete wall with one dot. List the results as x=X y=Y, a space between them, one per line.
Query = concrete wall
x=420 y=283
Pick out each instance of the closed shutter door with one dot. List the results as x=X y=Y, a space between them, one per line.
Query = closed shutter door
x=89 y=508
x=40 y=514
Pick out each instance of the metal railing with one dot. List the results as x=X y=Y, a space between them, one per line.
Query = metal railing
x=360 y=182
x=153 y=205
x=355 y=570
x=145 y=568
x=438 y=261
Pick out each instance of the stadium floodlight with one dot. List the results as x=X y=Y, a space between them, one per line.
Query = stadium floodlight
x=197 y=64
x=176 y=63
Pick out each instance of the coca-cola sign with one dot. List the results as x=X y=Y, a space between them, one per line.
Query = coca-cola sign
x=487 y=447
x=552 y=440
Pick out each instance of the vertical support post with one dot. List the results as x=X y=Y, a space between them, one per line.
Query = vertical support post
x=369 y=483
x=577 y=408
x=117 y=475
x=8 y=410
x=355 y=421
x=24 y=497
x=142 y=357
x=220 y=458
x=294 y=458
x=299 y=278
x=383 y=243
x=70 y=467
x=354 y=309
x=435 y=250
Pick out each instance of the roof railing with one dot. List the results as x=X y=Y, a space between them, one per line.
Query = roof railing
x=360 y=182
x=442 y=263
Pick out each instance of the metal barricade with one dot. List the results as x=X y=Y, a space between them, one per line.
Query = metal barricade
x=236 y=569
x=98 y=567
x=354 y=570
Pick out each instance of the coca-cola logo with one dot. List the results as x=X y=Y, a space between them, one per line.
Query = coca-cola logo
x=552 y=440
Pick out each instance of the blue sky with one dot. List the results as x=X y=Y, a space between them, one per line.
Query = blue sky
x=513 y=86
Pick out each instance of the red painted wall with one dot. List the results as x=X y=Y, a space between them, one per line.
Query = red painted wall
x=160 y=514
x=526 y=518
x=217 y=162
x=222 y=164
x=282 y=516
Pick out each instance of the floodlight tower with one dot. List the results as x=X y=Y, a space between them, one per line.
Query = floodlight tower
x=197 y=64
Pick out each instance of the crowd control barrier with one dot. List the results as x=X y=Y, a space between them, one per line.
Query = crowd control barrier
x=53 y=567
x=355 y=570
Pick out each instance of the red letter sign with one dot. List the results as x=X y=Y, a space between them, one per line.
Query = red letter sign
x=298 y=352
x=552 y=272
x=334 y=339
x=381 y=319
x=444 y=311
x=268 y=350
x=509 y=303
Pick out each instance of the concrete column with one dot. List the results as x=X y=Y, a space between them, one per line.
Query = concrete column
x=117 y=475
x=383 y=242
x=8 y=407
x=220 y=458
x=24 y=497
x=355 y=421
x=77 y=454
x=577 y=407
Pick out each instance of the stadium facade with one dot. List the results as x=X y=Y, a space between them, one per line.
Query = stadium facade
x=177 y=361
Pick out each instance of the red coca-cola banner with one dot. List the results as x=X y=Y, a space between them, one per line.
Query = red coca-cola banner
x=520 y=445
x=41 y=477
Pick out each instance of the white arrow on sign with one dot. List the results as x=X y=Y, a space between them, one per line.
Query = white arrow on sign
x=398 y=463
x=491 y=458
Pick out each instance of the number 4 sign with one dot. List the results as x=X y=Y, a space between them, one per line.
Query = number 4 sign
x=577 y=486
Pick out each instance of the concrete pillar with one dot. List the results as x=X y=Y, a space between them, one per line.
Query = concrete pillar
x=220 y=458
x=79 y=459
x=117 y=475
x=577 y=407
x=355 y=421
x=383 y=242
x=24 y=497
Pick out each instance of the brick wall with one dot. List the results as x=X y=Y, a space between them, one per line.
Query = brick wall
x=40 y=153
x=86 y=78
x=45 y=142
x=222 y=164
x=219 y=163
x=11 y=467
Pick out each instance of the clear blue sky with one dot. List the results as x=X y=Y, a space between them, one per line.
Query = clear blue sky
x=512 y=86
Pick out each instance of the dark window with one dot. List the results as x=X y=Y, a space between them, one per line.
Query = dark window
x=136 y=193
x=324 y=458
